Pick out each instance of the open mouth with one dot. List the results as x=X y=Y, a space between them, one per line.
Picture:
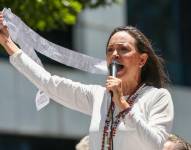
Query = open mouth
x=119 y=66
x=116 y=68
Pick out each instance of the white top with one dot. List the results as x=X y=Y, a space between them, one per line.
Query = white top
x=145 y=127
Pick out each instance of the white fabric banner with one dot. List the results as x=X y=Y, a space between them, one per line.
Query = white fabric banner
x=29 y=41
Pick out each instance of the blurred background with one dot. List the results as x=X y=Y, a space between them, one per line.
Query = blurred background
x=84 y=26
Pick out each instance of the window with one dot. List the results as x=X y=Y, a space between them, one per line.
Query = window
x=167 y=24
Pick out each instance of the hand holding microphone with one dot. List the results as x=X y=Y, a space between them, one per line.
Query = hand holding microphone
x=114 y=85
x=112 y=80
x=113 y=71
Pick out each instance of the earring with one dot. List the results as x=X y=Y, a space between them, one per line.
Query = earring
x=140 y=66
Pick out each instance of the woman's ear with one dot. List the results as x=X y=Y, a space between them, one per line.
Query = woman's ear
x=143 y=59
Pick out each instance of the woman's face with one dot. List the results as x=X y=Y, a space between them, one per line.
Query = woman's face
x=121 y=48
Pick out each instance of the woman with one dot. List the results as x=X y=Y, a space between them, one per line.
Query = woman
x=140 y=114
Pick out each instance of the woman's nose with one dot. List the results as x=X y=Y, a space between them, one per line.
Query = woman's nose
x=115 y=54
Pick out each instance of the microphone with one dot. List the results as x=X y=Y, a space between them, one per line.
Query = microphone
x=113 y=68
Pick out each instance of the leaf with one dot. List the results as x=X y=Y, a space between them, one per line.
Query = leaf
x=51 y=14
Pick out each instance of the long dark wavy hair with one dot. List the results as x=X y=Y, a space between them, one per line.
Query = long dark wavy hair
x=153 y=72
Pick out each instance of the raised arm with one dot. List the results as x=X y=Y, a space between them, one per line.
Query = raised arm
x=64 y=91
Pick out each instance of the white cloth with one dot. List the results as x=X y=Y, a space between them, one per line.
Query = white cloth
x=145 y=127
x=29 y=41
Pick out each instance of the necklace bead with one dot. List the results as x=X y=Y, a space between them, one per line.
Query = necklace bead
x=111 y=125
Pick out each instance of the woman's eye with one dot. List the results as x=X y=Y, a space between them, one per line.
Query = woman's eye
x=124 y=50
x=109 y=50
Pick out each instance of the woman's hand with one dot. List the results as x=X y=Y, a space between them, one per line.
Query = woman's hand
x=4 y=34
x=5 y=39
x=115 y=86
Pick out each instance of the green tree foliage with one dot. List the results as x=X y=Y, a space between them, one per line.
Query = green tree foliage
x=51 y=14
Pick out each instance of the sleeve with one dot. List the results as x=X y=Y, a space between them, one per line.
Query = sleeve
x=156 y=128
x=71 y=94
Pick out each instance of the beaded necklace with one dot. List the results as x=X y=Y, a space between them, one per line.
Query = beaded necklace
x=111 y=124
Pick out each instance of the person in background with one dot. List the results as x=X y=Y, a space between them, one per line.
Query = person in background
x=83 y=144
x=133 y=111
x=175 y=142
